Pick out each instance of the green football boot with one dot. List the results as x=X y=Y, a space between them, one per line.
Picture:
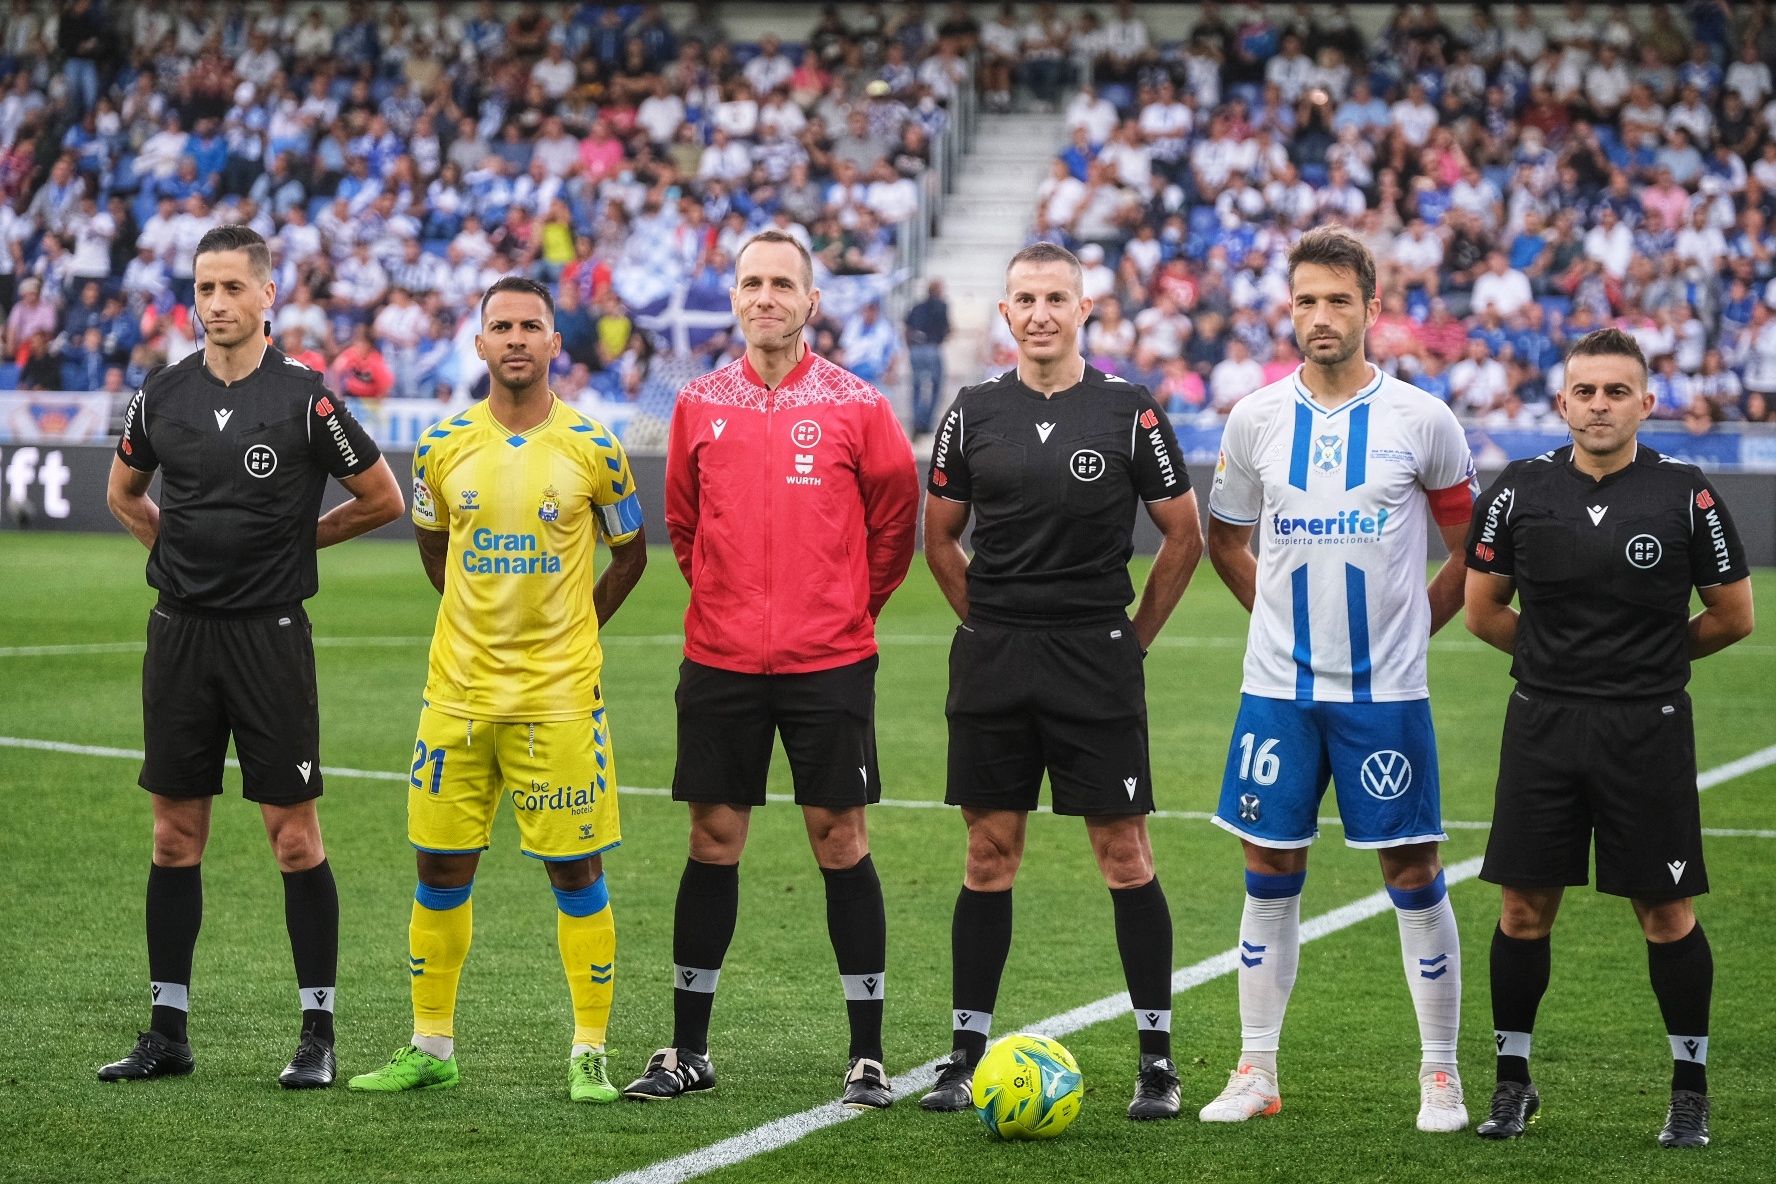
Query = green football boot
x=409 y=1069
x=588 y=1078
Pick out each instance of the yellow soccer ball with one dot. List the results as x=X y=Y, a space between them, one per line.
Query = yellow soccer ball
x=1028 y=1087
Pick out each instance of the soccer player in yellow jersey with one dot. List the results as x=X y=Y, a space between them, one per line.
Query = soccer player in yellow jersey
x=509 y=499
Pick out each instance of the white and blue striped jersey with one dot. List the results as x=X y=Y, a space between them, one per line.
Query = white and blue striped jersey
x=1341 y=499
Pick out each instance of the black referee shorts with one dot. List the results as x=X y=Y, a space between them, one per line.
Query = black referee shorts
x=1071 y=702
x=207 y=677
x=727 y=721
x=1624 y=771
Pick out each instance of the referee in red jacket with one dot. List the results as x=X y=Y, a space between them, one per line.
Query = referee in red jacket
x=790 y=500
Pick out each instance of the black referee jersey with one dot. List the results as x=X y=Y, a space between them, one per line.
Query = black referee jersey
x=1604 y=569
x=243 y=467
x=1053 y=483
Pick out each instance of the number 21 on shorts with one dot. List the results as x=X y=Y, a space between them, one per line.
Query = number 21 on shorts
x=1259 y=765
x=422 y=756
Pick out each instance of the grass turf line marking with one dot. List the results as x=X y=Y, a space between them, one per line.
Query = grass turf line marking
x=1749 y=763
x=791 y=1128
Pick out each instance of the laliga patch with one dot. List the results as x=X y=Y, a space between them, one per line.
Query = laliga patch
x=423 y=504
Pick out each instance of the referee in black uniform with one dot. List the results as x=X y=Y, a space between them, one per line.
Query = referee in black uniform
x=244 y=439
x=1045 y=671
x=1602 y=541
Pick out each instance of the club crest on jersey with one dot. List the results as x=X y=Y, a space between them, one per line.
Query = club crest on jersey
x=550 y=510
x=1328 y=453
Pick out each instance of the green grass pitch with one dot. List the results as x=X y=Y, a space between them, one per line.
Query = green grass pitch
x=74 y=852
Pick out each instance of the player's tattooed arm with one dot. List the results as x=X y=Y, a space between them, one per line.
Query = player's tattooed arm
x=433 y=545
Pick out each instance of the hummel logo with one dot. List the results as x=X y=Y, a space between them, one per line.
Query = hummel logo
x=1129 y=783
x=320 y=998
x=303 y=767
x=1676 y=867
x=869 y=984
x=1597 y=513
x=719 y=425
x=1247 y=950
x=1690 y=1046
x=222 y=419
x=1043 y=429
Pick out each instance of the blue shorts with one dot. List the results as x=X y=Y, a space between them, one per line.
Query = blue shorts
x=1382 y=757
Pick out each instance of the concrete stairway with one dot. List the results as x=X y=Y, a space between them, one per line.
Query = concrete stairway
x=985 y=221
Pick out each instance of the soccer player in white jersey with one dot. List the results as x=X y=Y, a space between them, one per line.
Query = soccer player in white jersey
x=1338 y=467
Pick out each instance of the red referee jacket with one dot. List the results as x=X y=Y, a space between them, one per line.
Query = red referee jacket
x=791 y=513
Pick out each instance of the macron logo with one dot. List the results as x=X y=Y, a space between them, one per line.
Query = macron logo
x=719 y=425
x=1676 y=868
x=222 y=419
x=304 y=768
x=1597 y=513
x=1043 y=429
x=1129 y=783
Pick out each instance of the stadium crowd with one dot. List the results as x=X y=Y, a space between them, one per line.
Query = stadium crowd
x=1523 y=176
x=399 y=159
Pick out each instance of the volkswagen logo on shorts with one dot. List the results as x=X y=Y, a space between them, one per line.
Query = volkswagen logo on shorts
x=261 y=460
x=1644 y=550
x=805 y=434
x=1087 y=465
x=1386 y=774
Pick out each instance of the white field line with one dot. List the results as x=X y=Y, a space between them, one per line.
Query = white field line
x=1183 y=641
x=1712 y=777
x=786 y=1130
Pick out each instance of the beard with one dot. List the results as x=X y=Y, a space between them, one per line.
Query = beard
x=1341 y=351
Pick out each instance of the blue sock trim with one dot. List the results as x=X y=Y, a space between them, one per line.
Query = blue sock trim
x=1265 y=886
x=1414 y=899
x=443 y=899
x=584 y=902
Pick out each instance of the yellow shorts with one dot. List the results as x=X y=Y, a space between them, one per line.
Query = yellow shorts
x=561 y=777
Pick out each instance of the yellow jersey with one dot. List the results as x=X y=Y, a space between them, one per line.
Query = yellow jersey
x=517 y=637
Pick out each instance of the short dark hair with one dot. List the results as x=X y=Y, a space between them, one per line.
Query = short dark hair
x=1608 y=343
x=1339 y=249
x=238 y=238
x=518 y=283
x=779 y=236
x=1047 y=252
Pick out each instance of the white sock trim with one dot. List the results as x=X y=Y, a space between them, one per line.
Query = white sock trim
x=1152 y=1019
x=971 y=1021
x=865 y=988
x=170 y=995
x=442 y=1047
x=317 y=998
x=695 y=979
x=1690 y=1049
x=1512 y=1044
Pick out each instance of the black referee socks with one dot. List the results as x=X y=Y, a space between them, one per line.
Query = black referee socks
x=311 y=914
x=858 y=926
x=1520 y=969
x=175 y=914
x=1683 y=979
x=980 y=941
x=1144 y=939
x=702 y=926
